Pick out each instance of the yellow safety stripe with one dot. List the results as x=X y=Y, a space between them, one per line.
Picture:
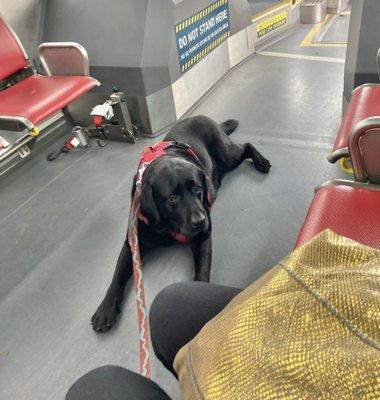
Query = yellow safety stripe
x=201 y=14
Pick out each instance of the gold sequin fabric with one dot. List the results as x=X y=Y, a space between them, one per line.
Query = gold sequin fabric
x=309 y=329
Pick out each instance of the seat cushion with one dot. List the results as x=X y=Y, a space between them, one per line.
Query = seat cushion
x=353 y=212
x=12 y=58
x=364 y=103
x=39 y=97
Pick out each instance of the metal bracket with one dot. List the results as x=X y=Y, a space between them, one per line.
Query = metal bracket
x=119 y=127
x=122 y=115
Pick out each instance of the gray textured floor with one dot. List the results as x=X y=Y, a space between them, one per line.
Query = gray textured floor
x=62 y=224
x=338 y=30
x=291 y=45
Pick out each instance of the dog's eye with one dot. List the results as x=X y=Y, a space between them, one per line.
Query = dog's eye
x=197 y=190
x=172 y=198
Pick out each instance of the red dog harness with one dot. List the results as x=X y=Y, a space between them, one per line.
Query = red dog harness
x=156 y=151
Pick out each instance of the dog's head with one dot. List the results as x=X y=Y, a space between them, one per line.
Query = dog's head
x=175 y=195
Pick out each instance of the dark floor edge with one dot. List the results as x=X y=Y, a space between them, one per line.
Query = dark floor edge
x=53 y=132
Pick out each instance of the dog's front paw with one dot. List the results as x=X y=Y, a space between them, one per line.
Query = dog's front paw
x=262 y=165
x=104 y=318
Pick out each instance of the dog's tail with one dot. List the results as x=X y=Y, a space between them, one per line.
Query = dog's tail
x=229 y=126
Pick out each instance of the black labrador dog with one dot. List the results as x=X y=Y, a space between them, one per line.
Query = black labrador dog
x=177 y=192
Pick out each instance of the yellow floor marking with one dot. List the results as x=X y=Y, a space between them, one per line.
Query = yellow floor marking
x=309 y=39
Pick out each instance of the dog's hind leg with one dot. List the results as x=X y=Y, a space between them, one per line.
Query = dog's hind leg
x=230 y=155
x=259 y=161
x=229 y=126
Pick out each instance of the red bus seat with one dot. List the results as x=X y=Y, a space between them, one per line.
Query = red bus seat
x=348 y=208
x=364 y=103
x=36 y=98
x=12 y=55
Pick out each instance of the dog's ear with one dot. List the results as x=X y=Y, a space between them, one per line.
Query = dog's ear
x=133 y=187
x=208 y=192
x=148 y=205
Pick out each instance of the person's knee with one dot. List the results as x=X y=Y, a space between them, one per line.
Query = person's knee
x=162 y=307
x=162 y=329
x=114 y=382
x=172 y=301
x=180 y=311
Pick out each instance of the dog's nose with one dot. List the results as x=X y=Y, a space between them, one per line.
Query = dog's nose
x=198 y=221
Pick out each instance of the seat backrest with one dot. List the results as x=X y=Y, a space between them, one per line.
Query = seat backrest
x=12 y=55
x=369 y=145
x=364 y=147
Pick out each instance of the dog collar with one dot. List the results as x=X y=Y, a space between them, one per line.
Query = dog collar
x=157 y=151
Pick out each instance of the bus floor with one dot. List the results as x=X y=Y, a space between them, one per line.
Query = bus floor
x=62 y=224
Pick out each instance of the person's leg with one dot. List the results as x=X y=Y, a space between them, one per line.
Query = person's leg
x=116 y=383
x=180 y=311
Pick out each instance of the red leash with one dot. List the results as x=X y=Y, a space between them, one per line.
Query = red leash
x=142 y=316
x=148 y=156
